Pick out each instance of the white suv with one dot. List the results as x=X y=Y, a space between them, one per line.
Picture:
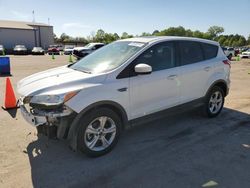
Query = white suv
x=122 y=84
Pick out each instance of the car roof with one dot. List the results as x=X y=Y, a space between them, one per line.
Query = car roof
x=152 y=39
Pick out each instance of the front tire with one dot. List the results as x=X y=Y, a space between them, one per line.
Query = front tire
x=98 y=132
x=214 y=102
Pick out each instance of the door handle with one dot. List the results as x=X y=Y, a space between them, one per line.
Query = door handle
x=172 y=77
x=207 y=68
x=122 y=89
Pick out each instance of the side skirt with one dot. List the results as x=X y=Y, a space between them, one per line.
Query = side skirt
x=167 y=112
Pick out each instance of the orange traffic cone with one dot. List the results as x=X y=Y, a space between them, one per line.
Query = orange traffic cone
x=10 y=99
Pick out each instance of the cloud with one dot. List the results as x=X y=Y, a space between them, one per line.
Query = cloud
x=75 y=25
x=20 y=15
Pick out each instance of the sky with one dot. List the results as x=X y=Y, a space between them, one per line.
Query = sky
x=83 y=17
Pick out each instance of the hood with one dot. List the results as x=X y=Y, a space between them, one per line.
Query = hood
x=20 y=49
x=57 y=81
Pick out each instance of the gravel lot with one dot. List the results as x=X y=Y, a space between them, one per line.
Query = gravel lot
x=185 y=150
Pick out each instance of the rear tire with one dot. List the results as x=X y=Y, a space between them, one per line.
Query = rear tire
x=98 y=132
x=214 y=102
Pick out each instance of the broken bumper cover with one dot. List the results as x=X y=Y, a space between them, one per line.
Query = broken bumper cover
x=33 y=120
x=43 y=117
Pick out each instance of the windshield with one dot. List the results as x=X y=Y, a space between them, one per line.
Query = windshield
x=20 y=46
x=37 y=48
x=69 y=47
x=53 y=46
x=88 y=45
x=108 y=57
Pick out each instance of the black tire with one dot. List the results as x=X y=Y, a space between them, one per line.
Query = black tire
x=208 y=105
x=230 y=57
x=86 y=120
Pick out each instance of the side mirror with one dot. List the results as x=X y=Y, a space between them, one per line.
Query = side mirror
x=143 y=69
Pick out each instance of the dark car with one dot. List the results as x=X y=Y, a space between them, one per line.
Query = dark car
x=80 y=52
x=37 y=51
x=20 y=50
x=53 y=49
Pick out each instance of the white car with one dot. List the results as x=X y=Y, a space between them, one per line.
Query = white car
x=38 y=51
x=229 y=52
x=127 y=82
x=80 y=52
x=68 y=50
x=245 y=54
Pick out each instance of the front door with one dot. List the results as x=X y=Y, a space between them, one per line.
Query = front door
x=159 y=90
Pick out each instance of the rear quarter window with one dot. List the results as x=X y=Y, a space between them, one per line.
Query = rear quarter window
x=210 y=50
x=191 y=52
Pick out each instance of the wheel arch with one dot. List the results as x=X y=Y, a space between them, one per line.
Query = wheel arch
x=220 y=83
x=73 y=129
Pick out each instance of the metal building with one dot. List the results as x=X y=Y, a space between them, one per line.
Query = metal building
x=29 y=34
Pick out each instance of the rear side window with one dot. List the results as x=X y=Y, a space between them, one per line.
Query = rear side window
x=210 y=51
x=191 y=52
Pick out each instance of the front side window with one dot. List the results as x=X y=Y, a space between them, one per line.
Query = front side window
x=159 y=57
x=108 y=57
x=190 y=52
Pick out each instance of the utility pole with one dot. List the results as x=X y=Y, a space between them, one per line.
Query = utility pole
x=33 y=15
x=48 y=21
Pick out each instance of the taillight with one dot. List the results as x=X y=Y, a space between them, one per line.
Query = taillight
x=227 y=62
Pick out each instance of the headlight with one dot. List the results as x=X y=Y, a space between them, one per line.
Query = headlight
x=51 y=100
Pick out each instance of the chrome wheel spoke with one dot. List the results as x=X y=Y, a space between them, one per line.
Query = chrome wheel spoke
x=109 y=130
x=103 y=121
x=91 y=130
x=105 y=142
x=93 y=142
x=219 y=100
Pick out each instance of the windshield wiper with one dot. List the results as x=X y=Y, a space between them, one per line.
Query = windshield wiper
x=81 y=70
x=85 y=71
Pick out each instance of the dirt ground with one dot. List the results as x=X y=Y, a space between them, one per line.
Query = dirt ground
x=185 y=150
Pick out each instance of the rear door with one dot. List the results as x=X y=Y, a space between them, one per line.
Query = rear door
x=196 y=67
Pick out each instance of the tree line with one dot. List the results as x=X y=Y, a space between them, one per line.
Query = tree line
x=213 y=33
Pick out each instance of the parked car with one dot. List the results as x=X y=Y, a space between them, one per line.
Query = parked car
x=80 y=52
x=2 y=50
x=229 y=52
x=236 y=51
x=125 y=83
x=243 y=49
x=20 y=50
x=245 y=54
x=68 y=50
x=38 y=51
x=53 y=49
x=60 y=47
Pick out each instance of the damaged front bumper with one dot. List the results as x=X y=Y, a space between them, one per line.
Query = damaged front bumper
x=57 y=119
x=41 y=117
